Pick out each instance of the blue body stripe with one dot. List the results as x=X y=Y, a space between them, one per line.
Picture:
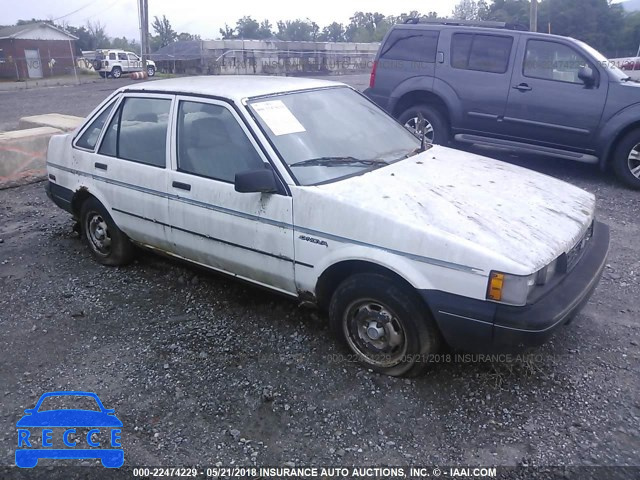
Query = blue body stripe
x=217 y=208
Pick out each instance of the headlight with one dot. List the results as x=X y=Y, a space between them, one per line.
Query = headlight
x=515 y=289
x=510 y=289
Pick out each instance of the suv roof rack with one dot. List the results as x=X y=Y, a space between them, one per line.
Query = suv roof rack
x=465 y=23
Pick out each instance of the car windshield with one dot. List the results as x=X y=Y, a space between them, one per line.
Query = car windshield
x=66 y=402
x=327 y=134
x=602 y=60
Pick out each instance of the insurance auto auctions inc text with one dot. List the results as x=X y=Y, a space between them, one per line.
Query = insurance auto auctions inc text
x=375 y=472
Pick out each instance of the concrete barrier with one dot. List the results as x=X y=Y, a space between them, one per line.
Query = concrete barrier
x=23 y=153
x=55 y=120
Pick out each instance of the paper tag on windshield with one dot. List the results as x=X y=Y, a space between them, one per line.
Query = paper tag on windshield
x=278 y=117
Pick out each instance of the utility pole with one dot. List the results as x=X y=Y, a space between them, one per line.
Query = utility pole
x=143 y=15
x=533 y=22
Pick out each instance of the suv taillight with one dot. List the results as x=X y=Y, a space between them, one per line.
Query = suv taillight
x=372 y=78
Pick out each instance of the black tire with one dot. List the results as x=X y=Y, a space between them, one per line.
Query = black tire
x=626 y=159
x=373 y=302
x=116 y=72
x=433 y=116
x=107 y=243
x=151 y=71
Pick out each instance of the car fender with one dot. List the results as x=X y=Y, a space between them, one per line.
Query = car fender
x=401 y=266
x=612 y=128
x=430 y=85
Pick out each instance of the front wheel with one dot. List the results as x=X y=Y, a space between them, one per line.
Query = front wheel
x=626 y=161
x=108 y=244
x=151 y=71
x=436 y=125
x=384 y=323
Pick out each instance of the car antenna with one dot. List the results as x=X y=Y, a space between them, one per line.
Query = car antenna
x=421 y=127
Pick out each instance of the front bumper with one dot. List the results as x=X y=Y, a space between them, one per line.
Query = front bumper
x=483 y=326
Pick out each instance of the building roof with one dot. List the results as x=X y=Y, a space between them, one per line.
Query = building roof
x=182 y=50
x=233 y=87
x=17 y=30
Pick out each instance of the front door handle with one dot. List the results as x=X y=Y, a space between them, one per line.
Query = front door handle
x=101 y=166
x=523 y=87
x=182 y=186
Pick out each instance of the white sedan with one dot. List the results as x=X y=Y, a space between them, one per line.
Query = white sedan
x=307 y=188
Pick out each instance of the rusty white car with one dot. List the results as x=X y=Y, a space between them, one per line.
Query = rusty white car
x=306 y=187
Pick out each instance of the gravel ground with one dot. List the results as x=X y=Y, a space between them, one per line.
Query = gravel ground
x=202 y=369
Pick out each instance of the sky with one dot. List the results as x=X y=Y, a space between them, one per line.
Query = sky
x=206 y=17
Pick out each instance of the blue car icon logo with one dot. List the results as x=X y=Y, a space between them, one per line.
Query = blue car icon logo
x=60 y=433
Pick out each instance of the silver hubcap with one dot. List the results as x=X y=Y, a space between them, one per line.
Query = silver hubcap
x=374 y=333
x=98 y=234
x=634 y=161
x=412 y=124
x=150 y=72
x=116 y=73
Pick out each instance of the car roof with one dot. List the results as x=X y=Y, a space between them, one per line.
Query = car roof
x=477 y=29
x=233 y=87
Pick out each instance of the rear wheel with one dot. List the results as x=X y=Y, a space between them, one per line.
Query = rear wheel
x=107 y=243
x=384 y=323
x=626 y=160
x=116 y=72
x=436 y=127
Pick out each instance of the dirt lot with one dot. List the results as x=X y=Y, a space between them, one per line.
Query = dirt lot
x=202 y=369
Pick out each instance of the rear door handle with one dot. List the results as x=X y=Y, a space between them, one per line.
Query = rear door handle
x=523 y=87
x=182 y=186
x=101 y=166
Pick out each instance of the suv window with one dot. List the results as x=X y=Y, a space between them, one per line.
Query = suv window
x=122 y=56
x=138 y=131
x=112 y=56
x=212 y=144
x=553 y=61
x=485 y=53
x=132 y=57
x=90 y=136
x=411 y=45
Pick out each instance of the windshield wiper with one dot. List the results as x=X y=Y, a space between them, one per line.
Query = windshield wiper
x=337 y=162
x=416 y=151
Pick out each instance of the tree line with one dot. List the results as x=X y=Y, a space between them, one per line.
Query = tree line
x=600 y=23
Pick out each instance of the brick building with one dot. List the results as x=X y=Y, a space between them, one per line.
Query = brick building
x=35 y=50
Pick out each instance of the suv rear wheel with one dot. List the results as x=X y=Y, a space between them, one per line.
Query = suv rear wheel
x=436 y=128
x=626 y=160
x=116 y=72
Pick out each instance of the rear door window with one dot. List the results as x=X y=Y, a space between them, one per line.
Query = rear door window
x=138 y=131
x=485 y=53
x=411 y=45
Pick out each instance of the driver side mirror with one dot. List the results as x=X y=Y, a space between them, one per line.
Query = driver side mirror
x=262 y=180
x=587 y=75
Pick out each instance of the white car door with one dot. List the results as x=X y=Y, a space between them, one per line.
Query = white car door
x=246 y=234
x=129 y=169
x=124 y=62
x=135 y=64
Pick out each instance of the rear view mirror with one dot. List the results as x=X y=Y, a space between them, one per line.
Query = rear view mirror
x=587 y=75
x=262 y=180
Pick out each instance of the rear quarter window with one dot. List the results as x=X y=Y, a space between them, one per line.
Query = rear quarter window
x=411 y=45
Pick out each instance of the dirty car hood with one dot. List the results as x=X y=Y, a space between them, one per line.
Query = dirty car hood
x=524 y=216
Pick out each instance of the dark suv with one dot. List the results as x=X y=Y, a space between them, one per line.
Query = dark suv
x=492 y=85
